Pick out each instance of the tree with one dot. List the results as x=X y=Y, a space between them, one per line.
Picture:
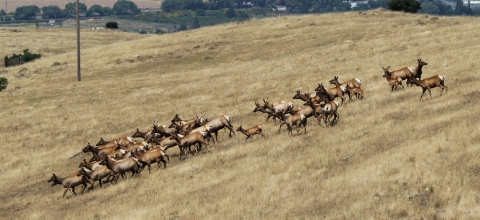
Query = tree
x=3 y=83
x=377 y=4
x=195 y=24
x=362 y=7
x=411 y=6
x=71 y=8
x=112 y=25
x=107 y=11
x=2 y=12
x=230 y=13
x=429 y=8
x=124 y=7
x=95 y=9
x=26 y=12
x=53 y=11
x=176 y=5
x=460 y=9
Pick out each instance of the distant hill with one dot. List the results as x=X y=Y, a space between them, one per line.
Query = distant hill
x=10 y=6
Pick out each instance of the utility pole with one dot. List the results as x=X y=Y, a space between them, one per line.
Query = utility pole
x=79 y=78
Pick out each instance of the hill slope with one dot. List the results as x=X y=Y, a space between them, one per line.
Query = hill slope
x=389 y=156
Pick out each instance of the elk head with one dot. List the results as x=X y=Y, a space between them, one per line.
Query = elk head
x=334 y=81
x=386 y=72
x=101 y=142
x=421 y=63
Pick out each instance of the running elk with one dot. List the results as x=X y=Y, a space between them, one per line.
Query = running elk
x=69 y=182
x=331 y=93
x=251 y=131
x=428 y=83
x=353 y=83
x=294 y=120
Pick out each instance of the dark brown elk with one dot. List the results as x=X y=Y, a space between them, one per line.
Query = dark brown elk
x=417 y=71
x=352 y=83
x=394 y=82
x=262 y=108
x=219 y=123
x=330 y=93
x=122 y=166
x=69 y=182
x=155 y=155
x=251 y=131
x=294 y=120
x=97 y=174
x=429 y=83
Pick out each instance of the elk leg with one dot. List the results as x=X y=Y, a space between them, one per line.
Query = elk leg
x=422 y=94
x=429 y=92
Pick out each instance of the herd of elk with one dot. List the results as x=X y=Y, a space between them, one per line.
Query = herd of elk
x=413 y=76
x=112 y=159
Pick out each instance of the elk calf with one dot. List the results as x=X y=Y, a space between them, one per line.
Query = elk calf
x=394 y=82
x=428 y=83
x=251 y=131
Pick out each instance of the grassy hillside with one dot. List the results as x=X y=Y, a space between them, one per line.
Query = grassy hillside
x=389 y=156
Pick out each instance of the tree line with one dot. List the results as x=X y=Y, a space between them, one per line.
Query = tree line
x=121 y=7
x=125 y=7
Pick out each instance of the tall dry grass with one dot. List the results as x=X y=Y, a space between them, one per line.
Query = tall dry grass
x=390 y=156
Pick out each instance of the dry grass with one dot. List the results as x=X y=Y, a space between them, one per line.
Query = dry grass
x=376 y=163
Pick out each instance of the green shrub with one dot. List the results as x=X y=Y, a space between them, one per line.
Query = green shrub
x=18 y=59
x=112 y=25
x=3 y=83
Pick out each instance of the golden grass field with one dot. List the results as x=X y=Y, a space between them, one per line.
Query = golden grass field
x=390 y=156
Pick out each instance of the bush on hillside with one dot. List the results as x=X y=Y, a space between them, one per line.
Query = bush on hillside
x=411 y=6
x=3 y=83
x=18 y=59
x=112 y=25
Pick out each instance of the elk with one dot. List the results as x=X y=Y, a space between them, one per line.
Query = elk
x=407 y=72
x=108 y=150
x=330 y=109
x=89 y=165
x=331 y=93
x=353 y=83
x=189 y=140
x=298 y=120
x=251 y=131
x=69 y=182
x=144 y=135
x=97 y=174
x=163 y=130
x=304 y=97
x=122 y=166
x=394 y=82
x=417 y=72
x=124 y=140
x=276 y=107
x=219 y=123
x=156 y=155
x=165 y=143
x=357 y=91
x=429 y=83
x=132 y=146
x=262 y=108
